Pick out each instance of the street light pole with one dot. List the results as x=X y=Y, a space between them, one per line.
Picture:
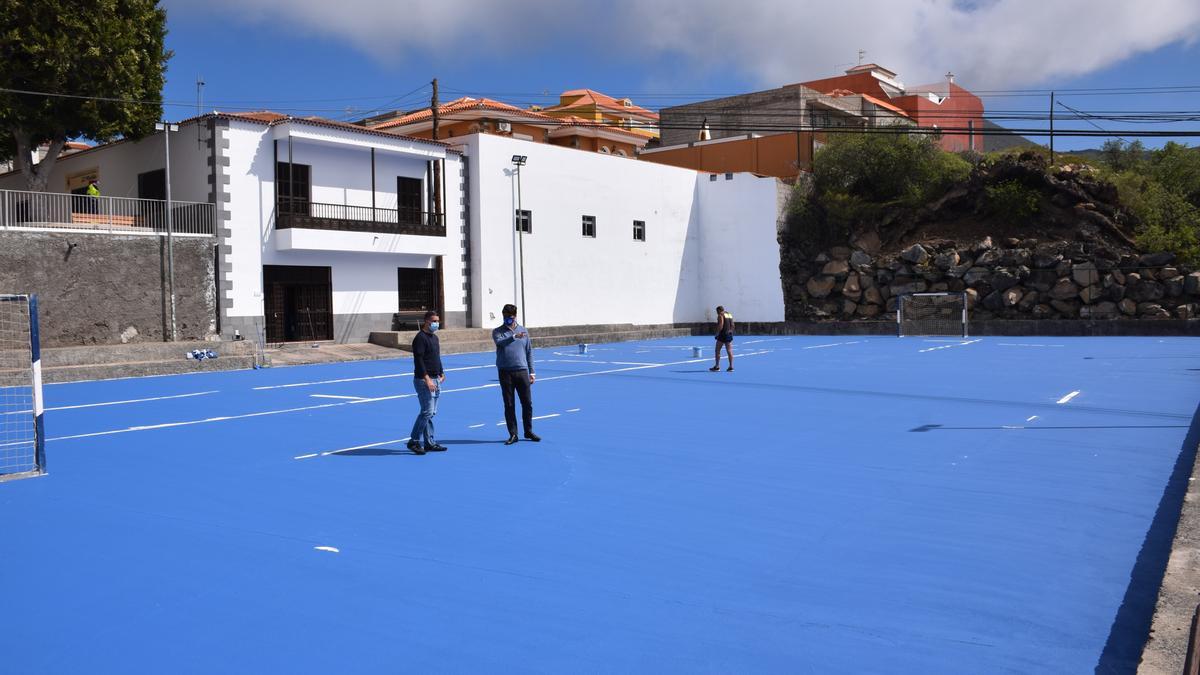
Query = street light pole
x=167 y=128
x=519 y=161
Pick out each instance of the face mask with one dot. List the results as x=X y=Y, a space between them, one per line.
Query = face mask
x=510 y=320
x=433 y=326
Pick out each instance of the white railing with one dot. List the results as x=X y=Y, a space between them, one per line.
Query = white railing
x=20 y=210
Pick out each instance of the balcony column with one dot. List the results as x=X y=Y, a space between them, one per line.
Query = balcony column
x=372 y=185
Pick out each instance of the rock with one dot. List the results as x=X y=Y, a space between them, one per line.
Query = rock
x=1017 y=257
x=1011 y=297
x=819 y=287
x=1042 y=280
x=1118 y=276
x=983 y=245
x=912 y=287
x=1151 y=310
x=1145 y=290
x=945 y=261
x=860 y=260
x=955 y=285
x=1156 y=259
x=1046 y=260
x=1174 y=286
x=1115 y=293
x=1132 y=278
x=891 y=305
x=958 y=271
x=1091 y=294
x=839 y=253
x=930 y=273
x=1191 y=284
x=1105 y=310
x=1063 y=268
x=1187 y=311
x=1012 y=241
x=972 y=297
x=822 y=257
x=1085 y=274
x=1042 y=312
x=866 y=280
x=988 y=258
x=869 y=311
x=1127 y=307
x=884 y=277
x=872 y=296
x=976 y=275
x=940 y=287
x=836 y=268
x=915 y=254
x=868 y=242
x=1166 y=273
x=1064 y=290
x=1003 y=280
x=993 y=301
x=849 y=307
x=1067 y=308
x=852 y=289
x=1028 y=300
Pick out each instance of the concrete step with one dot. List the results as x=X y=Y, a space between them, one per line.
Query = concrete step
x=472 y=337
x=138 y=352
x=108 y=371
x=561 y=340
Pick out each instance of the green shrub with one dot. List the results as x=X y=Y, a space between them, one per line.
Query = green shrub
x=1166 y=220
x=886 y=168
x=1012 y=199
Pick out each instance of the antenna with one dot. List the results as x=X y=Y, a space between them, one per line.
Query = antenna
x=199 y=95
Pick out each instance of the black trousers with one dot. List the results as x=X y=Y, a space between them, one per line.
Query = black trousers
x=516 y=381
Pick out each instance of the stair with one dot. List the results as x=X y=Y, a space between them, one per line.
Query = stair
x=468 y=340
x=102 y=362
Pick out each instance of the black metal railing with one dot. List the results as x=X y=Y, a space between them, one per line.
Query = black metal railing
x=299 y=213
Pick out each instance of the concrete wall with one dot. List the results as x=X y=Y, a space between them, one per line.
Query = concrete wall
x=105 y=289
x=780 y=155
x=739 y=247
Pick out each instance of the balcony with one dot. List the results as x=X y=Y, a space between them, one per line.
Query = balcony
x=51 y=211
x=303 y=214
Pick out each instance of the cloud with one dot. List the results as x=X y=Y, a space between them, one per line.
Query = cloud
x=987 y=43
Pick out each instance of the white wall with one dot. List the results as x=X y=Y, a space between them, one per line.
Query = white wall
x=739 y=247
x=570 y=279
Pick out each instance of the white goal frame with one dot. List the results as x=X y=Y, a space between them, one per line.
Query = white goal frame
x=900 y=317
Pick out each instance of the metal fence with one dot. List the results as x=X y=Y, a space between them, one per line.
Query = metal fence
x=302 y=213
x=20 y=210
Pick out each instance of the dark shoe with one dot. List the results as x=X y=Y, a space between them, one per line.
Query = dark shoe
x=532 y=436
x=715 y=368
x=729 y=369
x=511 y=439
x=415 y=448
x=435 y=448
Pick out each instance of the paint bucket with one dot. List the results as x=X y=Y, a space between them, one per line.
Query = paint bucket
x=582 y=348
x=695 y=352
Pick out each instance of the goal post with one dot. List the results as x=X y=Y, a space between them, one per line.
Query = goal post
x=22 y=431
x=935 y=314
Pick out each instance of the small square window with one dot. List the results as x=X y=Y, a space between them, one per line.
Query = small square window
x=525 y=221
x=589 y=226
x=712 y=177
x=639 y=230
x=728 y=176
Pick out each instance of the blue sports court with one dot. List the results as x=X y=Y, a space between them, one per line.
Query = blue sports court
x=836 y=504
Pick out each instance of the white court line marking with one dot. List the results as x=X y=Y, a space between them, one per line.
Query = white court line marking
x=349 y=398
x=833 y=344
x=960 y=344
x=315 y=454
x=573 y=409
x=358 y=379
x=546 y=417
x=632 y=363
x=1068 y=397
x=753 y=342
x=357 y=447
x=1031 y=418
x=107 y=403
x=330 y=549
x=266 y=413
x=1014 y=344
x=475 y=426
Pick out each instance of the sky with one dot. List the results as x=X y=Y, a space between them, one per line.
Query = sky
x=350 y=58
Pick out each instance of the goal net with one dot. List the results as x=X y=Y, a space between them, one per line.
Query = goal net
x=932 y=314
x=22 y=442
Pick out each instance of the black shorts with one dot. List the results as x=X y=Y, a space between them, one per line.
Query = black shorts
x=725 y=338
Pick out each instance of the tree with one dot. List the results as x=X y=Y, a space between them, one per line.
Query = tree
x=1177 y=167
x=107 y=55
x=1122 y=156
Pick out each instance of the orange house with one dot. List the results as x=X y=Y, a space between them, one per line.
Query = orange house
x=598 y=108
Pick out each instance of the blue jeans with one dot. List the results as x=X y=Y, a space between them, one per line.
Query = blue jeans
x=422 y=431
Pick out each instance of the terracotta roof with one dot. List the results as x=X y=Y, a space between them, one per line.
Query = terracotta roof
x=588 y=97
x=579 y=122
x=460 y=105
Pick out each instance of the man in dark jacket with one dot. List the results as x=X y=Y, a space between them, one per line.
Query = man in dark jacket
x=514 y=363
x=428 y=376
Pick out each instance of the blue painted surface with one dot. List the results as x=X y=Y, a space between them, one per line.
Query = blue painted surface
x=837 y=504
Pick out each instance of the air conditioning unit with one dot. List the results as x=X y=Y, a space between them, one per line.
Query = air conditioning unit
x=504 y=127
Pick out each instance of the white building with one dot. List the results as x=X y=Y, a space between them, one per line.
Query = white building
x=327 y=230
x=333 y=253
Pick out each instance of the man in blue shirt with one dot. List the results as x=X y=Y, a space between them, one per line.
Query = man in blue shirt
x=514 y=361
x=428 y=376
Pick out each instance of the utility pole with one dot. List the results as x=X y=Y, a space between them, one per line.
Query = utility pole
x=166 y=127
x=199 y=96
x=1051 y=128
x=437 y=164
x=433 y=107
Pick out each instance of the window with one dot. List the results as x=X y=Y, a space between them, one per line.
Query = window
x=589 y=226
x=621 y=153
x=525 y=222
x=604 y=150
x=639 y=230
x=294 y=184
x=409 y=194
